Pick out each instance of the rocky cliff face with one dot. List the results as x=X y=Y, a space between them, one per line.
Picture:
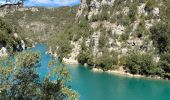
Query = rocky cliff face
x=8 y=47
x=40 y=23
x=124 y=24
x=10 y=41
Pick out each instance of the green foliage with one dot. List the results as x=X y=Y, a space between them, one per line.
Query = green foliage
x=103 y=39
x=85 y=55
x=161 y=36
x=165 y=62
x=88 y=2
x=21 y=81
x=107 y=61
x=64 y=48
x=140 y=64
x=141 y=30
x=149 y=5
x=42 y=25
x=7 y=39
x=124 y=20
x=72 y=32
x=104 y=15
x=132 y=13
x=124 y=37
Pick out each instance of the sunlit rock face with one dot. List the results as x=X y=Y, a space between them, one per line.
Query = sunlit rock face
x=124 y=23
x=3 y=52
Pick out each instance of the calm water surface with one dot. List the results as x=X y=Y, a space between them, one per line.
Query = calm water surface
x=103 y=86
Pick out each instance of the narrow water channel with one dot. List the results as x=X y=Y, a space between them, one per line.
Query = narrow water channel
x=103 y=86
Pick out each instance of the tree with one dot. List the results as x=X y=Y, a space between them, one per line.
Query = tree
x=143 y=64
x=103 y=39
x=165 y=64
x=149 y=5
x=21 y=81
x=107 y=61
x=85 y=56
x=161 y=36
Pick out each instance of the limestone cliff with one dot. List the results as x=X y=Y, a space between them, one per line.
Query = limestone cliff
x=10 y=41
x=125 y=23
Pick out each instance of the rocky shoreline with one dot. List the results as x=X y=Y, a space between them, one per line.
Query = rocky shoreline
x=120 y=71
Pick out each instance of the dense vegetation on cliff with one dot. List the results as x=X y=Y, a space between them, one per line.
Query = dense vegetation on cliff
x=41 y=23
x=140 y=31
x=9 y=37
x=133 y=35
x=107 y=34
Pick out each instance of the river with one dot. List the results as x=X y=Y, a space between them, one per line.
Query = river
x=102 y=86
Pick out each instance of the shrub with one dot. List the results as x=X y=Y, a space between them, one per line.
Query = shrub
x=149 y=5
x=140 y=64
x=107 y=61
x=124 y=37
x=85 y=57
x=165 y=62
x=103 y=40
x=161 y=36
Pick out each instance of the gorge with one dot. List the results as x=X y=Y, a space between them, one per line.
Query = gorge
x=103 y=86
x=109 y=47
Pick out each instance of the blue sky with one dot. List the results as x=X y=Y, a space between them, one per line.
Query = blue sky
x=49 y=3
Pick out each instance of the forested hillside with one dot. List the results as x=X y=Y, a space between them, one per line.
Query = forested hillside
x=41 y=23
x=127 y=35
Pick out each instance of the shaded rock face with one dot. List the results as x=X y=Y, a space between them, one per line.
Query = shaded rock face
x=9 y=8
x=16 y=45
x=126 y=23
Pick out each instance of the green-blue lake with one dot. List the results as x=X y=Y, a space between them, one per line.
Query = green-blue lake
x=103 y=86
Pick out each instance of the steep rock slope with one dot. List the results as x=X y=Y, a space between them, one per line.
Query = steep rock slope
x=40 y=23
x=120 y=34
x=125 y=35
x=10 y=41
x=127 y=22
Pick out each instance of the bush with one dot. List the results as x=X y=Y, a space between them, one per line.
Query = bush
x=85 y=57
x=124 y=37
x=88 y=2
x=107 y=61
x=149 y=6
x=161 y=36
x=103 y=40
x=140 y=64
x=7 y=39
x=103 y=15
x=132 y=12
x=165 y=62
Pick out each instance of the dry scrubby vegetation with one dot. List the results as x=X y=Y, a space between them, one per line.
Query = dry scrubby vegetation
x=14 y=79
x=43 y=24
x=7 y=38
x=135 y=63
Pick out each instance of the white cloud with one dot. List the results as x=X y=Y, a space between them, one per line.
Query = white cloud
x=4 y=1
x=52 y=2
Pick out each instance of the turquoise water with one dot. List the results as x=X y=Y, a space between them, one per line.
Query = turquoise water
x=103 y=86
